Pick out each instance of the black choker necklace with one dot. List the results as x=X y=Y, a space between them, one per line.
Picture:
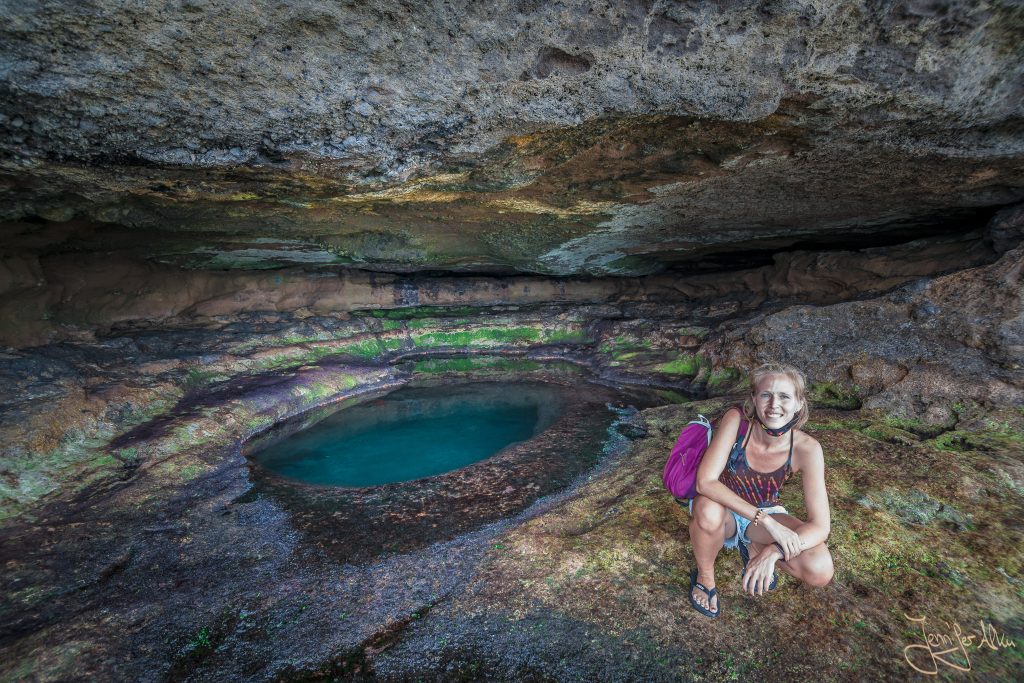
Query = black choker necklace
x=781 y=430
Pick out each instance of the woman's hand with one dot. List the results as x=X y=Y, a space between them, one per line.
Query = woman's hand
x=785 y=537
x=760 y=571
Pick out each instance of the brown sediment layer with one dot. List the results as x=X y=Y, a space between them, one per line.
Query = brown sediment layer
x=74 y=297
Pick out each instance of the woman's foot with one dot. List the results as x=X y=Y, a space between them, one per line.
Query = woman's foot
x=703 y=595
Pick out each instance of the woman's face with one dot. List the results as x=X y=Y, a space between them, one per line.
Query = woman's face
x=775 y=400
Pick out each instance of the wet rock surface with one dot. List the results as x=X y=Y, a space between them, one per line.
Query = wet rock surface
x=206 y=572
x=154 y=537
x=202 y=582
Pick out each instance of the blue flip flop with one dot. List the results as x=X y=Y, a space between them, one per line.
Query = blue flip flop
x=745 y=554
x=710 y=593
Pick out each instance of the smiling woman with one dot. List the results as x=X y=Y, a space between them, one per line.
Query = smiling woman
x=755 y=450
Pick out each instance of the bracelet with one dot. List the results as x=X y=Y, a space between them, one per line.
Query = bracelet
x=757 y=515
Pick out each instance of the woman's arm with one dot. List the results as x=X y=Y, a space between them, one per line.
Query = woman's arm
x=819 y=518
x=715 y=459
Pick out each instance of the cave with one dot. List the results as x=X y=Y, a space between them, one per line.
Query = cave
x=224 y=224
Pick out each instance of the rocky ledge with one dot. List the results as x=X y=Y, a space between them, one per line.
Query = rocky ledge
x=134 y=525
x=201 y=576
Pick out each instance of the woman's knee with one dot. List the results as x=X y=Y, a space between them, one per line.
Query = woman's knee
x=818 y=569
x=708 y=514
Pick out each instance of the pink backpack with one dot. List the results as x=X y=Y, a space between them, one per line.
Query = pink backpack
x=680 y=475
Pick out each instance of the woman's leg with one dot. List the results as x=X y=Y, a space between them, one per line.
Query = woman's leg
x=813 y=566
x=710 y=524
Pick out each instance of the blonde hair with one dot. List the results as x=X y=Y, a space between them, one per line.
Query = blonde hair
x=791 y=373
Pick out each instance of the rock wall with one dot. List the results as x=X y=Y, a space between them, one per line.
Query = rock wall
x=391 y=88
x=75 y=296
x=917 y=352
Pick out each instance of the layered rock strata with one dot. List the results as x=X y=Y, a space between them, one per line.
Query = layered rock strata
x=584 y=139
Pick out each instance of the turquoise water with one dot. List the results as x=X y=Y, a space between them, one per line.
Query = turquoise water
x=413 y=433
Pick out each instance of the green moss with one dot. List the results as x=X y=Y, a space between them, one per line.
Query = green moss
x=914 y=506
x=688 y=365
x=723 y=378
x=443 y=365
x=956 y=442
x=923 y=430
x=367 y=348
x=624 y=343
x=492 y=364
x=191 y=471
x=833 y=395
x=477 y=337
x=198 y=377
x=298 y=355
x=201 y=638
x=672 y=396
x=567 y=336
x=446 y=365
x=413 y=312
x=258 y=423
x=323 y=391
x=106 y=461
x=628 y=355
x=884 y=432
x=392 y=343
x=78 y=462
x=438 y=323
x=294 y=339
x=998 y=436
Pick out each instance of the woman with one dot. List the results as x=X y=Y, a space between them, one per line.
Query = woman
x=753 y=452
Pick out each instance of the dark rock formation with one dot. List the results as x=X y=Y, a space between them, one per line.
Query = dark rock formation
x=1006 y=229
x=568 y=139
x=915 y=352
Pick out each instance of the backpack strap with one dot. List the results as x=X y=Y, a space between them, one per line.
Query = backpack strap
x=704 y=422
x=741 y=433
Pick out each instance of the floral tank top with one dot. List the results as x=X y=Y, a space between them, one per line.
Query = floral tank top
x=757 y=488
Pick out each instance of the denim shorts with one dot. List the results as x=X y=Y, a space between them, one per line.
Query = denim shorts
x=742 y=523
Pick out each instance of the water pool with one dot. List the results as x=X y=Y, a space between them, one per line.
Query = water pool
x=412 y=433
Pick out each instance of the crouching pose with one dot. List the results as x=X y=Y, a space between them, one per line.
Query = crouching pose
x=754 y=451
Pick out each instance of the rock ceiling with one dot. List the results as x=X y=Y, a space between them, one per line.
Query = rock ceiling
x=570 y=138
